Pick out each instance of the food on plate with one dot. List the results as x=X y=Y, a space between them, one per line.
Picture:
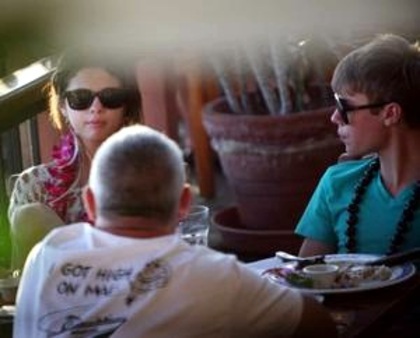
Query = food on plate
x=352 y=275
x=349 y=275
x=291 y=276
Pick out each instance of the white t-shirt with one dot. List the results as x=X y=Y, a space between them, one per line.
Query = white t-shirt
x=83 y=282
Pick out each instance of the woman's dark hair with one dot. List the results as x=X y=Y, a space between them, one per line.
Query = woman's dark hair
x=387 y=69
x=69 y=64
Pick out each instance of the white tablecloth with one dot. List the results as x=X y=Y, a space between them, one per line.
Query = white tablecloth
x=264 y=264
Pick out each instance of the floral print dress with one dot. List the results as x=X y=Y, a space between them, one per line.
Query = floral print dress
x=53 y=184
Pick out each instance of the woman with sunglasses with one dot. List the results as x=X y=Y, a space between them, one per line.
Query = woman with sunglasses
x=89 y=100
x=371 y=205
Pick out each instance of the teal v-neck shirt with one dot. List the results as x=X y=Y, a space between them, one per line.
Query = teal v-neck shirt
x=325 y=217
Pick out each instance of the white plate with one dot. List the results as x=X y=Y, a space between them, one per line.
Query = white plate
x=400 y=273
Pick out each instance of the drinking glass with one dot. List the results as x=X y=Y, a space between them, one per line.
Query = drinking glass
x=194 y=227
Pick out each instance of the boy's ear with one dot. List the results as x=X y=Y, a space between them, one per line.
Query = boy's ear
x=392 y=114
x=89 y=203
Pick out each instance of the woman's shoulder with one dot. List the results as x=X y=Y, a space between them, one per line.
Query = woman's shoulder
x=35 y=173
x=28 y=186
x=32 y=178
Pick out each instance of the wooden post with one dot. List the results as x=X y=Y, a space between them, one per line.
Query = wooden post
x=203 y=155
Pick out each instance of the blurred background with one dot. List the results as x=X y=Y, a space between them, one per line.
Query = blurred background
x=30 y=29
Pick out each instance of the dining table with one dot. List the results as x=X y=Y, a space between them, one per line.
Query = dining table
x=389 y=311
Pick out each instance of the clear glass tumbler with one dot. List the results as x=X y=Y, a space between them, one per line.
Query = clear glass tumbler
x=194 y=227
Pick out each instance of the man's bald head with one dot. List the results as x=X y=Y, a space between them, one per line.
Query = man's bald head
x=137 y=171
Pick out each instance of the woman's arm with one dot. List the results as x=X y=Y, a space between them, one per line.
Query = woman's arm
x=29 y=217
x=29 y=225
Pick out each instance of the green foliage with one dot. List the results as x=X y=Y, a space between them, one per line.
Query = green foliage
x=5 y=242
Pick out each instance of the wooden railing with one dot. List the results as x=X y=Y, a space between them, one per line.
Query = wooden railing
x=21 y=93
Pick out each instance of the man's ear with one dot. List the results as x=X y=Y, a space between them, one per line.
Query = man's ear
x=184 y=201
x=89 y=203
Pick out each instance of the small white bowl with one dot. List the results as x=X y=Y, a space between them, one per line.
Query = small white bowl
x=323 y=275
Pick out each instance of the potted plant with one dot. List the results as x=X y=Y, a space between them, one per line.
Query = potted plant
x=272 y=132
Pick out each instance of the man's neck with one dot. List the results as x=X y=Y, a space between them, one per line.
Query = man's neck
x=136 y=227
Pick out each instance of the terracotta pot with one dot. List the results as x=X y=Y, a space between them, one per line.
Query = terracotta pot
x=272 y=163
x=251 y=244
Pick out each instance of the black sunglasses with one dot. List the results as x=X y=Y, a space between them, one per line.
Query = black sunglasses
x=80 y=99
x=344 y=107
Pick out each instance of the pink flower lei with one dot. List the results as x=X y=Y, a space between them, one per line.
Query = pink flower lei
x=63 y=175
